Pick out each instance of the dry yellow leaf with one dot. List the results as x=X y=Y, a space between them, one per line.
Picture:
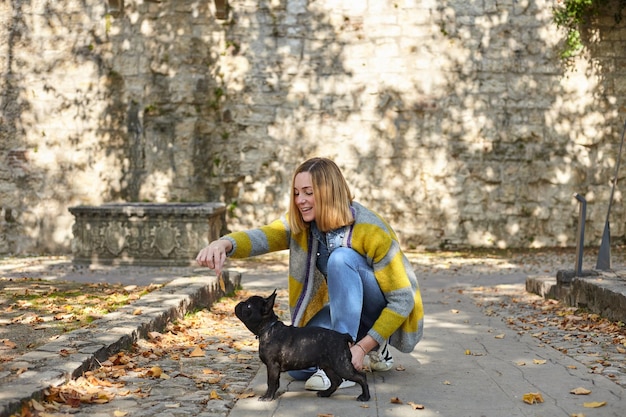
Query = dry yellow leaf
x=620 y=349
x=577 y=415
x=325 y=415
x=580 y=391
x=37 y=406
x=396 y=400
x=7 y=343
x=244 y=357
x=197 y=353
x=499 y=336
x=532 y=398
x=468 y=352
x=137 y=312
x=447 y=383
x=539 y=361
x=155 y=371
x=594 y=404
x=214 y=396
x=416 y=406
x=521 y=363
x=454 y=311
x=571 y=367
x=118 y=413
x=246 y=394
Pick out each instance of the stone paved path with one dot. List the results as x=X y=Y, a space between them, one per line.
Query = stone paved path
x=163 y=375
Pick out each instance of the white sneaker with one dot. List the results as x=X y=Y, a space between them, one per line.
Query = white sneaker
x=381 y=360
x=320 y=382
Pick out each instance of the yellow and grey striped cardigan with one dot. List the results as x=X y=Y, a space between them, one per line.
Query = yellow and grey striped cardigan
x=401 y=321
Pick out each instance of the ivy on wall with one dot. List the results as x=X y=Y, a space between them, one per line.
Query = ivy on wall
x=570 y=15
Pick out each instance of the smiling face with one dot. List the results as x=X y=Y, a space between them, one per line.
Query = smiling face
x=303 y=196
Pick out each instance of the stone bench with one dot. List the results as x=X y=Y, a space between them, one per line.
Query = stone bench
x=150 y=234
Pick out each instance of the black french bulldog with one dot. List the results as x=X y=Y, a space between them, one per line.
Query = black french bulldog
x=286 y=348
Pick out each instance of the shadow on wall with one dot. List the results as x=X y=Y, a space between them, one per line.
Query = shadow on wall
x=120 y=96
x=452 y=120
x=482 y=141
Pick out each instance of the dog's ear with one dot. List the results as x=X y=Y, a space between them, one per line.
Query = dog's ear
x=268 y=306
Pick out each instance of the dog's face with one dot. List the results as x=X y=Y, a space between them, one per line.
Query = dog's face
x=255 y=312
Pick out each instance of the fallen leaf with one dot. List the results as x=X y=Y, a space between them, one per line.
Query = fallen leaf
x=571 y=367
x=396 y=400
x=447 y=383
x=580 y=391
x=400 y=368
x=325 y=415
x=197 y=353
x=137 y=312
x=9 y=344
x=246 y=394
x=468 y=352
x=155 y=335
x=594 y=404
x=118 y=413
x=539 y=361
x=577 y=415
x=499 y=336
x=454 y=311
x=155 y=371
x=532 y=398
x=214 y=396
x=521 y=363
x=66 y=352
x=416 y=406
x=37 y=406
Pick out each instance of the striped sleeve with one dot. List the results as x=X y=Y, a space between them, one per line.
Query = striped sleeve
x=270 y=238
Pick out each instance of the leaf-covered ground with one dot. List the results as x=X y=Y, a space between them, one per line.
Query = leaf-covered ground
x=209 y=348
x=34 y=311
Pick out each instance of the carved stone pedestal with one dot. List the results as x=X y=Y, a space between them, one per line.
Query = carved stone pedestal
x=149 y=234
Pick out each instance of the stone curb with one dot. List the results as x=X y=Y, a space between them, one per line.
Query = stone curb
x=74 y=353
x=602 y=292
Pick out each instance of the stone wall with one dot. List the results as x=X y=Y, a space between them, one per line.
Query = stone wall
x=454 y=119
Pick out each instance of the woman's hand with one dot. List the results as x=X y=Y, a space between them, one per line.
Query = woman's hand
x=214 y=255
x=360 y=349
x=358 y=354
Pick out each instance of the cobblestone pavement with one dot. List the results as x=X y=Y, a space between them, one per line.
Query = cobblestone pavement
x=200 y=366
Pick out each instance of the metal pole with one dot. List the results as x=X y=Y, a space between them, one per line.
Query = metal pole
x=604 y=254
x=580 y=236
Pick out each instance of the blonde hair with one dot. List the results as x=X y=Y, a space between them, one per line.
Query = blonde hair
x=332 y=197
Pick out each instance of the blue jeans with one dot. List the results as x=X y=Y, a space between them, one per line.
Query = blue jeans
x=355 y=299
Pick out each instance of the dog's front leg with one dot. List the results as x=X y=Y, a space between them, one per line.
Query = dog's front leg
x=273 y=382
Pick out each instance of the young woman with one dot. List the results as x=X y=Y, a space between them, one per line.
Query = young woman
x=346 y=269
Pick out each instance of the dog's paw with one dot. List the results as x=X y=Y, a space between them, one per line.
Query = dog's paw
x=363 y=398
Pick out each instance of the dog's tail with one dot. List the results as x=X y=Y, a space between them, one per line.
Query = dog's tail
x=348 y=339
